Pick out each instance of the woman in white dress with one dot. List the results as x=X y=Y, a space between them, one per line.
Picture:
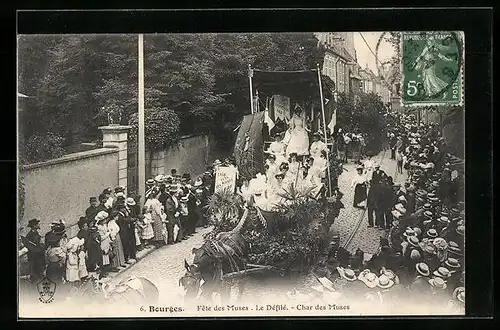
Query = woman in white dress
x=317 y=147
x=298 y=139
x=277 y=148
x=293 y=164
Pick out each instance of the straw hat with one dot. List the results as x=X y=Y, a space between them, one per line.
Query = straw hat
x=413 y=240
x=396 y=214
x=368 y=278
x=184 y=199
x=417 y=231
x=402 y=198
x=159 y=178
x=459 y=294
x=409 y=232
x=198 y=182
x=384 y=282
x=427 y=207
x=443 y=220
x=461 y=230
x=400 y=208
x=348 y=274
x=432 y=233
x=452 y=263
x=422 y=269
x=130 y=201
x=415 y=255
x=438 y=282
x=150 y=182
x=442 y=272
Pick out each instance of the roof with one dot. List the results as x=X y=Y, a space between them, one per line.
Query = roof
x=340 y=51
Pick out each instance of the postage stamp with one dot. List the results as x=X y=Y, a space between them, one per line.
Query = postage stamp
x=432 y=68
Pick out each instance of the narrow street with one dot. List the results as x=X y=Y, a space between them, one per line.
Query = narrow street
x=165 y=266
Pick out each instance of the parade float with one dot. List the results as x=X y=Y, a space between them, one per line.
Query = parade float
x=289 y=238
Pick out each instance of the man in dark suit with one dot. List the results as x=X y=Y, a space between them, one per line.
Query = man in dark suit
x=92 y=210
x=372 y=200
x=377 y=174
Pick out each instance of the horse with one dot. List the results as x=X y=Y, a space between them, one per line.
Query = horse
x=226 y=253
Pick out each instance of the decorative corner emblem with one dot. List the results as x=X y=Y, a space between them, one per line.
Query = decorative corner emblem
x=46 y=289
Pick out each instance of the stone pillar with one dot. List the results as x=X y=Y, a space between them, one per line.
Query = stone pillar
x=116 y=136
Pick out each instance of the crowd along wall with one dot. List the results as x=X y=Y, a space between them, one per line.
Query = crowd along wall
x=191 y=155
x=60 y=188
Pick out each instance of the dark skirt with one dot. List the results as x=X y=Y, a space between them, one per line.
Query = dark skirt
x=359 y=193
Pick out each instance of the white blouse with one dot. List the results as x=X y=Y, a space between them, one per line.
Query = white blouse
x=358 y=179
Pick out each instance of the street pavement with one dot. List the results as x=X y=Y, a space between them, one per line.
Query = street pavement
x=165 y=266
x=353 y=221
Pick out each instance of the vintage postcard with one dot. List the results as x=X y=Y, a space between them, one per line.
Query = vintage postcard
x=241 y=174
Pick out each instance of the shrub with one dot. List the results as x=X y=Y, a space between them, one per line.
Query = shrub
x=161 y=128
x=38 y=148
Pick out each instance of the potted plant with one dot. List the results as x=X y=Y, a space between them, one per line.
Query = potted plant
x=113 y=112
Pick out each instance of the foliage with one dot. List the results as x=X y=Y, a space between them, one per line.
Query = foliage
x=40 y=148
x=202 y=77
x=224 y=208
x=21 y=196
x=161 y=128
x=365 y=114
x=297 y=242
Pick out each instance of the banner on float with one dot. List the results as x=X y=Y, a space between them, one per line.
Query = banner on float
x=225 y=179
x=281 y=107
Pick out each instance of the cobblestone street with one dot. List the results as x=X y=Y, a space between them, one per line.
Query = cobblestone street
x=165 y=265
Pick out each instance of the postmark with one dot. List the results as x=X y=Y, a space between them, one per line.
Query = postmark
x=46 y=289
x=432 y=68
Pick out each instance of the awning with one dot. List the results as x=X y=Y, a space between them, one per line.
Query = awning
x=298 y=85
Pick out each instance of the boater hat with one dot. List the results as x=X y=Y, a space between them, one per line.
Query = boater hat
x=459 y=294
x=461 y=230
x=349 y=274
x=452 y=263
x=130 y=201
x=413 y=240
x=432 y=233
x=444 y=220
x=442 y=272
x=368 y=278
x=415 y=255
x=438 y=282
x=384 y=282
x=422 y=269
x=150 y=182
x=427 y=206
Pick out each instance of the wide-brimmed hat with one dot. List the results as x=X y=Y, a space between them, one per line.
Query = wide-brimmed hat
x=417 y=231
x=400 y=208
x=413 y=240
x=384 y=282
x=454 y=248
x=422 y=269
x=438 y=282
x=130 y=201
x=150 y=182
x=431 y=195
x=33 y=222
x=119 y=189
x=452 y=263
x=461 y=230
x=427 y=206
x=396 y=214
x=217 y=162
x=184 y=199
x=421 y=193
x=428 y=214
x=459 y=294
x=415 y=255
x=402 y=198
x=409 y=232
x=120 y=194
x=159 y=178
x=348 y=274
x=432 y=233
x=434 y=200
x=102 y=215
x=442 y=272
x=368 y=278
x=359 y=167
x=443 y=220
x=198 y=182
x=74 y=243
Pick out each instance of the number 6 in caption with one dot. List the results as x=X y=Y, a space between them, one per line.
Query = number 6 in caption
x=142 y=309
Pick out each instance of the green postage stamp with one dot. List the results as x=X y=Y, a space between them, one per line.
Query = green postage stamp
x=432 y=68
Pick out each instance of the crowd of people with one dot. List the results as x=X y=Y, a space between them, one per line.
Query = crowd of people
x=422 y=255
x=115 y=228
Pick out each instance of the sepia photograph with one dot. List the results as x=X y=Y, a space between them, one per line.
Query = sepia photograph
x=241 y=174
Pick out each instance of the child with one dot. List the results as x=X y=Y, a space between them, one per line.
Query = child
x=72 y=271
x=146 y=228
x=82 y=265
